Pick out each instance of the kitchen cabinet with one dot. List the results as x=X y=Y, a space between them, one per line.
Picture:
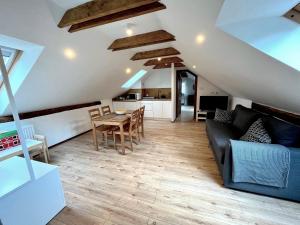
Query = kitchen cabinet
x=167 y=110
x=153 y=109
x=134 y=105
x=157 y=109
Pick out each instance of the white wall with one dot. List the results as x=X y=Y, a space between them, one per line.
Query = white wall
x=240 y=101
x=59 y=127
x=137 y=85
x=158 y=79
x=205 y=88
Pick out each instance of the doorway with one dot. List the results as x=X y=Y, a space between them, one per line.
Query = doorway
x=186 y=95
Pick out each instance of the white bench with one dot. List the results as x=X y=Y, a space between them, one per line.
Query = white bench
x=36 y=144
x=32 y=145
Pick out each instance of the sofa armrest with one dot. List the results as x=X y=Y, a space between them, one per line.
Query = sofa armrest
x=294 y=175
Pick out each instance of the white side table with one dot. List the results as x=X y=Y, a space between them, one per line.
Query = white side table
x=201 y=115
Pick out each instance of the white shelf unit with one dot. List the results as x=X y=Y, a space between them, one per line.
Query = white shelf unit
x=201 y=115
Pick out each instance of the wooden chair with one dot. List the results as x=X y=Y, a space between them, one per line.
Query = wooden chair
x=29 y=133
x=131 y=130
x=105 y=110
x=141 y=121
x=103 y=129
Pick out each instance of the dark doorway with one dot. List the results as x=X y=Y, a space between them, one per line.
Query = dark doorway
x=186 y=95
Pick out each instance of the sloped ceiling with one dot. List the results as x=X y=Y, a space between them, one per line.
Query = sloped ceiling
x=230 y=64
x=264 y=27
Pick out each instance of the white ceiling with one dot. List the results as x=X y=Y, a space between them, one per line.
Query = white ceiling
x=230 y=64
x=264 y=27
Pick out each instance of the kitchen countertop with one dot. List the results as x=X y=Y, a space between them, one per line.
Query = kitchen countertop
x=148 y=99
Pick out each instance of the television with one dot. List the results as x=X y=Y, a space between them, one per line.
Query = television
x=211 y=103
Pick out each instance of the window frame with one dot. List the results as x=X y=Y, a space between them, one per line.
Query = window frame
x=13 y=58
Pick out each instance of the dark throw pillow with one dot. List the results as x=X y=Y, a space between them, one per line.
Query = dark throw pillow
x=257 y=133
x=282 y=132
x=223 y=116
x=243 y=118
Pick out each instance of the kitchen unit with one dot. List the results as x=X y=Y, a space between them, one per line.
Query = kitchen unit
x=154 y=108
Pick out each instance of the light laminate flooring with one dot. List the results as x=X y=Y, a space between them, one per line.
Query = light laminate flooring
x=171 y=178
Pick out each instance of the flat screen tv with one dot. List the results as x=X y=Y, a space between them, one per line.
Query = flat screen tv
x=211 y=103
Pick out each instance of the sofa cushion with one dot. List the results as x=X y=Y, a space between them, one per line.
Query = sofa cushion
x=243 y=118
x=219 y=135
x=257 y=133
x=282 y=132
x=223 y=116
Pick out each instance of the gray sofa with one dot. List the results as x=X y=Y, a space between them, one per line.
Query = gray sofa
x=281 y=132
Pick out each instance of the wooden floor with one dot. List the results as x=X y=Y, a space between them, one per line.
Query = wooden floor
x=169 y=179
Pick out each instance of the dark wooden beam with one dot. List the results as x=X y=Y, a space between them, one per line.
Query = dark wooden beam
x=153 y=62
x=138 y=11
x=155 y=53
x=98 y=8
x=287 y=116
x=155 y=37
x=44 y=112
x=297 y=8
x=164 y=66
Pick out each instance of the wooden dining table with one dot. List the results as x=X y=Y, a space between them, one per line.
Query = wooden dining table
x=114 y=119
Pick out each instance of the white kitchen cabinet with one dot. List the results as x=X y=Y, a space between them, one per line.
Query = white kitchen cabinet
x=148 y=109
x=148 y=105
x=127 y=105
x=157 y=109
x=167 y=109
x=153 y=109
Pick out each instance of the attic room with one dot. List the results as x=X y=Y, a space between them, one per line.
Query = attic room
x=149 y=112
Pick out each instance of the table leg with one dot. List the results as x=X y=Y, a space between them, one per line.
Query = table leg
x=122 y=138
x=95 y=138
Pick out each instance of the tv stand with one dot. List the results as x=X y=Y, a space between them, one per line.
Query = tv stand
x=201 y=115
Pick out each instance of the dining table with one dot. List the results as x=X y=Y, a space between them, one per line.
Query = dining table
x=114 y=119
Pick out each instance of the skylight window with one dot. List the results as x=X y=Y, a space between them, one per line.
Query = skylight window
x=9 y=58
x=136 y=77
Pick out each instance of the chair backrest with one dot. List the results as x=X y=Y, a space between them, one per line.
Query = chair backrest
x=94 y=114
x=142 y=113
x=28 y=131
x=134 y=120
x=105 y=110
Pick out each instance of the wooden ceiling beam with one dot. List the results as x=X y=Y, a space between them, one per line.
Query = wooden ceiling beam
x=153 y=62
x=98 y=8
x=138 y=11
x=297 y=8
x=155 y=53
x=164 y=66
x=155 y=37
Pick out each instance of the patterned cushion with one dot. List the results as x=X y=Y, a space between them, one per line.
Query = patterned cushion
x=223 y=116
x=8 y=140
x=257 y=133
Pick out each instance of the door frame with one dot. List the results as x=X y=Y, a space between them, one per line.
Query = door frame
x=178 y=72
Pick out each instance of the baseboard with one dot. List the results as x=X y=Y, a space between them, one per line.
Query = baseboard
x=52 y=146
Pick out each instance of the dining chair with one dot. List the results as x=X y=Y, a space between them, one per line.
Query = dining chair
x=141 y=121
x=131 y=130
x=29 y=133
x=104 y=130
x=105 y=110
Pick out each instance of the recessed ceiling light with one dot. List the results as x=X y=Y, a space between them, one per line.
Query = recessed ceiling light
x=128 y=70
x=129 y=29
x=200 y=39
x=159 y=59
x=69 y=53
x=194 y=67
x=129 y=32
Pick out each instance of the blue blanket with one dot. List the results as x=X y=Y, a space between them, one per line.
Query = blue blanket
x=257 y=163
